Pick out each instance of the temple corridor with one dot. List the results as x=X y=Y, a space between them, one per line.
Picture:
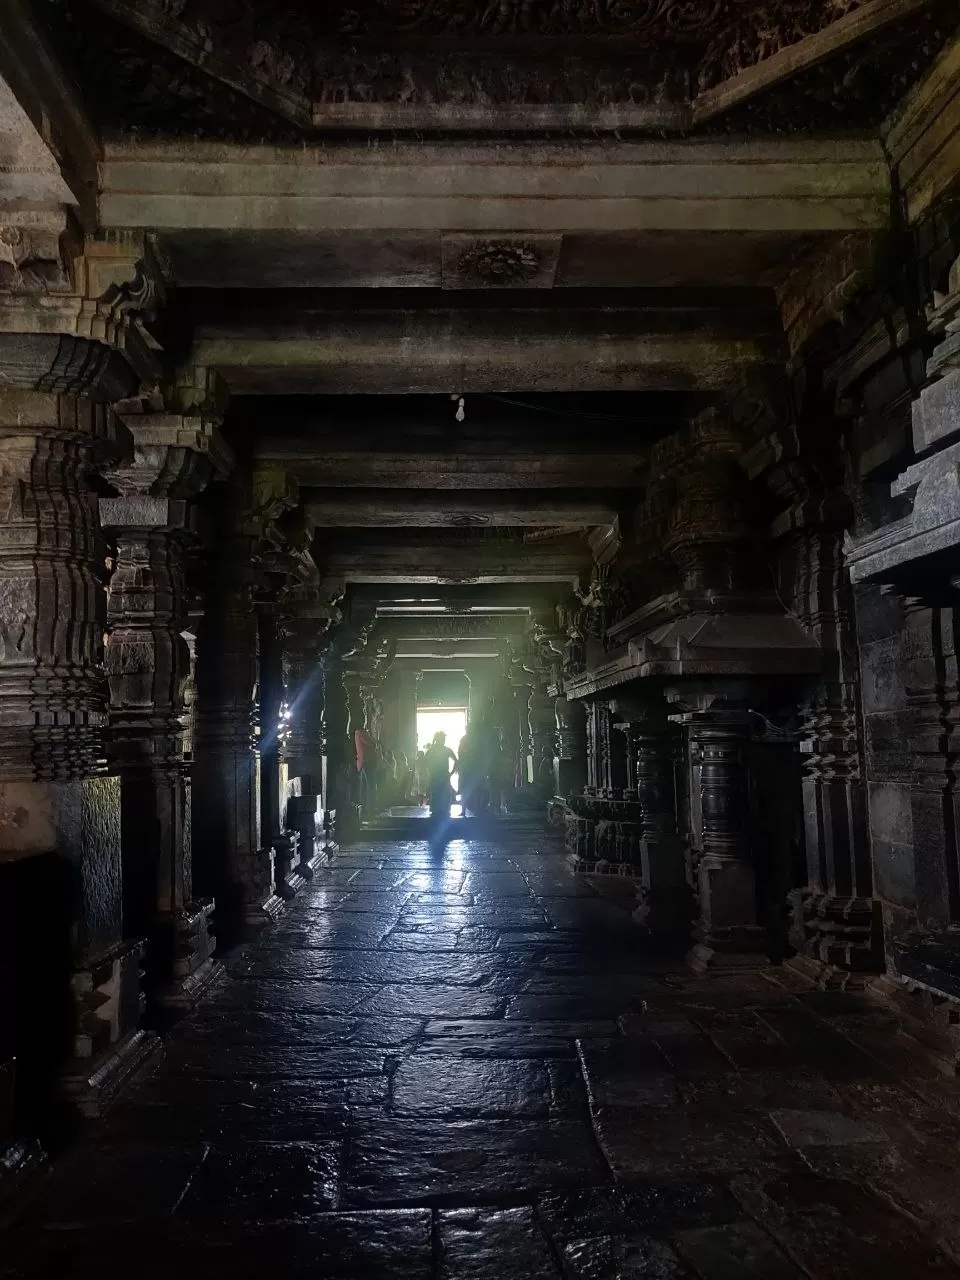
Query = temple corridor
x=462 y=1062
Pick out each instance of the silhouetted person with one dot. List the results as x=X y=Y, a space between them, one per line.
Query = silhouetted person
x=440 y=762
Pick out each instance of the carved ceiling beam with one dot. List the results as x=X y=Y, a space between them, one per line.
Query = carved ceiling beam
x=411 y=561
x=452 y=472
x=374 y=508
x=461 y=352
x=512 y=190
x=853 y=28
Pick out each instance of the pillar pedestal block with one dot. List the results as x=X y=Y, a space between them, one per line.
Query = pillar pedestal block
x=305 y=815
x=835 y=938
x=289 y=881
x=107 y=1001
x=188 y=943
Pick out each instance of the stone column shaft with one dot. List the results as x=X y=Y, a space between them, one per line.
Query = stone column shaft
x=305 y=746
x=728 y=929
x=231 y=863
x=572 y=733
x=339 y=808
x=148 y=666
x=835 y=921
x=652 y=751
x=273 y=765
x=58 y=807
x=543 y=731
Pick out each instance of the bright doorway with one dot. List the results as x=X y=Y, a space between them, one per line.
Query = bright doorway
x=451 y=721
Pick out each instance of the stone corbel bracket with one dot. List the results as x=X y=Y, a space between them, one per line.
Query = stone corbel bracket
x=174 y=458
x=931 y=529
x=87 y=335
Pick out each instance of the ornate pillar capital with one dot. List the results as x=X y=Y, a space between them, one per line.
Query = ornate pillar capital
x=73 y=309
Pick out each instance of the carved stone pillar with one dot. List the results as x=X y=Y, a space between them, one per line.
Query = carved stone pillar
x=835 y=921
x=652 y=758
x=572 y=729
x=305 y=747
x=339 y=806
x=148 y=665
x=273 y=766
x=542 y=716
x=728 y=929
x=933 y=696
x=57 y=804
x=593 y=749
x=522 y=744
x=231 y=863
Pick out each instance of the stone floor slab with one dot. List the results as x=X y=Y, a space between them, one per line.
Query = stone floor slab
x=468 y=1162
x=440 y=1086
x=476 y=1244
x=470 y=1064
x=264 y=1181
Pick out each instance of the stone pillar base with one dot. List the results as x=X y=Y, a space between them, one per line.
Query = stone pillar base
x=108 y=1049
x=22 y=1166
x=304 y=812
x=289 y=880
x=828 y=977
x=834 y=933
x=312 y=857
x=185 y=945
x=260 y=904
x=664 y=913
x=183 y=995
x=730 y=949
x=91 y=1086
x=257 y=915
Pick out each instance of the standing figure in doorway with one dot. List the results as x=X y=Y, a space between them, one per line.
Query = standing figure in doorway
x=440 y=762
x=368 y=753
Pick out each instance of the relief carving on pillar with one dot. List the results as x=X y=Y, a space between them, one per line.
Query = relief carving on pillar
x=31 y=262
x=52 y=689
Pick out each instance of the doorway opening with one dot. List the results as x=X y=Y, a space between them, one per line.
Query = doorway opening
x=449 y=720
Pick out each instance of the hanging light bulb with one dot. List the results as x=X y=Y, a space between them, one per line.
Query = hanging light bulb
x=461 y=413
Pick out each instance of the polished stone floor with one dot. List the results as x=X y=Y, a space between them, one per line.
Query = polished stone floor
x=462 y=1065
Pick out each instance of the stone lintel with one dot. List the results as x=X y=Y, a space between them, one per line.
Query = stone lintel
x=369 y=468
x=450 y=508
x=404 y=356
x=511 y=187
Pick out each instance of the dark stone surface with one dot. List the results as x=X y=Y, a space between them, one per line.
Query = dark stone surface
x=463 y=1162
x=484 y=1242
x=264 y=1180
x=569 y=1107
x=440 y=1086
